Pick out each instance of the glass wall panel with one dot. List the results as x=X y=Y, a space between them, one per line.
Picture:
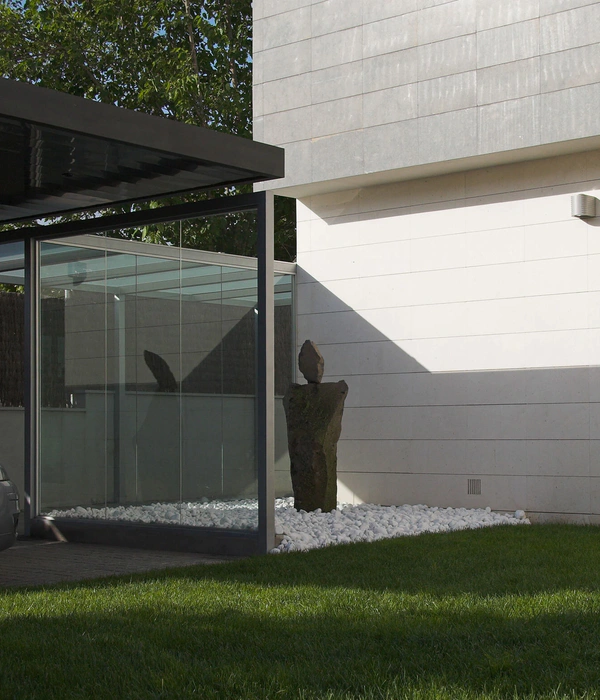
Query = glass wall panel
x=284 y=375
x=239 y=382
x=76 y=326
x=153 y=347
x=121 y=276
x=148 y=379
x=202 y=383
x=12 y=341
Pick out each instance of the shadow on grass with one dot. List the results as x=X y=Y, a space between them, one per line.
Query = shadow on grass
x=497 y=613
x=232 y=653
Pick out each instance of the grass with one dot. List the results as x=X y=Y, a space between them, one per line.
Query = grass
x=505 y=612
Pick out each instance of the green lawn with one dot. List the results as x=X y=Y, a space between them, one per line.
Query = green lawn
x=505 y=612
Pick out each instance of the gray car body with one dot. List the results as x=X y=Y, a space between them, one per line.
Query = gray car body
x=9 y=510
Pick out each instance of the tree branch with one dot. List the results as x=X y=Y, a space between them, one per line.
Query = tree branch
x=194 y=55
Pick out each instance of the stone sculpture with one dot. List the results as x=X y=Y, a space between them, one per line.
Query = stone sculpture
x=311 y=362
x=314 y=424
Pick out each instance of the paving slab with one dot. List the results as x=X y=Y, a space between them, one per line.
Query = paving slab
x=42 y=562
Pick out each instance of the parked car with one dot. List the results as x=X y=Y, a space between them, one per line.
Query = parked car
x=9 y=510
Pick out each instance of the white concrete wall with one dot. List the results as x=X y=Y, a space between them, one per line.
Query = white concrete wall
x=464 y=313
x=366 y=91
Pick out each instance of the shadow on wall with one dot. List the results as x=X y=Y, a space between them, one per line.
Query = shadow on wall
x=469 y=335
x=510 y=183
x=451 y=420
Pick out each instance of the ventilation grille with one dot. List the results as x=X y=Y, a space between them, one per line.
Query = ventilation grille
x=474 y=487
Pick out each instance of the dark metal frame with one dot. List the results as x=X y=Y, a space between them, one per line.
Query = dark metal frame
x=31 y=384
x=241 y=160
x=37 y=105
x=262 y=203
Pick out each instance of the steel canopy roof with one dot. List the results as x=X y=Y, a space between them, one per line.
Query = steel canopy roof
x=60 y=153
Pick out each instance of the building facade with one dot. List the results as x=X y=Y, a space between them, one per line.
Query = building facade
x=434 y=149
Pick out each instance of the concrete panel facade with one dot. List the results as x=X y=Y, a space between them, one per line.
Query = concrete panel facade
x=463 y=311
x=371 y=91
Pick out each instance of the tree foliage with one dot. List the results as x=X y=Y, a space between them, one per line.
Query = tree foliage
x=180 y=59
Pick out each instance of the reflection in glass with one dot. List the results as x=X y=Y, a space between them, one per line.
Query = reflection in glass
x=76 y=438
x=148 y=383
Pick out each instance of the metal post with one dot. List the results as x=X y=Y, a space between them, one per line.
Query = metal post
x=265 y=388
x=119 y=398
x=32 y=371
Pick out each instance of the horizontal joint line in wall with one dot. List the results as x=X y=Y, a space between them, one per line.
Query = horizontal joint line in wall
x=282 y=46
x=423 y=439
x=488 y=370
x=559 y=12
x=469 y=336
x=507 y=475
x=473 y=405
x=446 y=236
x=460 y=267
x=296 y=75
x=441 y=303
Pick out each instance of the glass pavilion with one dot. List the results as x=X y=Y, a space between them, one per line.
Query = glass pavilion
x=151 y=372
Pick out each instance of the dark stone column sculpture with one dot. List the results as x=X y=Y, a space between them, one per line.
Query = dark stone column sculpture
x=314 y=423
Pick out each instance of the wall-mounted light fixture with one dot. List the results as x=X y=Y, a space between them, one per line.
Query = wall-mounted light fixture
x=583 y=206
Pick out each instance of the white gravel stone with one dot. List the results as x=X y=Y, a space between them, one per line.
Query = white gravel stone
x=301 y=531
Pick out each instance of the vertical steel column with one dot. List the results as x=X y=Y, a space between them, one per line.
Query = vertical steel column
x=119 y=397
x=265 y=387
x=32 y=372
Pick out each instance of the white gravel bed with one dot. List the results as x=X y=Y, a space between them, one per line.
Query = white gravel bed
x=368 y=523
x=301 y=531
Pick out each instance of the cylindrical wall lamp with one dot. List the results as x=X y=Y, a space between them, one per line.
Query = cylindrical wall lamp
x=583 y=206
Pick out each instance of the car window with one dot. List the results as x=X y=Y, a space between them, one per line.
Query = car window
x=3 y=474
